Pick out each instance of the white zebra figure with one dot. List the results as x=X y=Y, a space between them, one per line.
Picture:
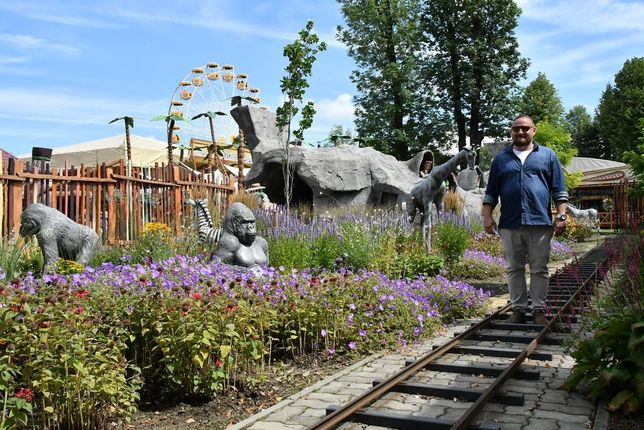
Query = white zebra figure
x=208 y=234
x=589 y=214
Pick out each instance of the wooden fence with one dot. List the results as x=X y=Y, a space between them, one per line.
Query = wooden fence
x=106 y=198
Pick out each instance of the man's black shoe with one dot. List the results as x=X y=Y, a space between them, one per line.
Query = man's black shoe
x=517 y=317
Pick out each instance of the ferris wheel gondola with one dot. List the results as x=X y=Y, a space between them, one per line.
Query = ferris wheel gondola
x=208 y=88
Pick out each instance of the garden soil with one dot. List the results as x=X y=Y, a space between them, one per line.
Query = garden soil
x=237 y=404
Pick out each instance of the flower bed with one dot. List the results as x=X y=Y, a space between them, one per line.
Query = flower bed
x=83 y=346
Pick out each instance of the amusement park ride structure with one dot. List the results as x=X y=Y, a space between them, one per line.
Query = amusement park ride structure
x=212 y=88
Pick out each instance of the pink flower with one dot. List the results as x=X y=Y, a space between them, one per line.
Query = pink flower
x=196 y=296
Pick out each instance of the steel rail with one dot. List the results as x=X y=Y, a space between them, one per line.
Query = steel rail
x=337 y=417
x=358 y=405
x=492 y=389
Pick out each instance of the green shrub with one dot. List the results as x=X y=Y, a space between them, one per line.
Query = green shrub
x=488 y=243
x=477 y=265
x=451 y=240
x=290 y=252
x=578 y=230
x=326 y=249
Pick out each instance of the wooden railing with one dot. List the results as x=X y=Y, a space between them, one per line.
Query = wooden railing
x=106 y=198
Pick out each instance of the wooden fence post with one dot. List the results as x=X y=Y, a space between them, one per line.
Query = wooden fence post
x=176 y=177
x=111 y=209
x=15 y=197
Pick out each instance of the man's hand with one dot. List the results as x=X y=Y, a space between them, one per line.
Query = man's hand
x=489 y=224
x=560 y=227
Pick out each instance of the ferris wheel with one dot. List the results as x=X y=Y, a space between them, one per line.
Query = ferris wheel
x=208 y=88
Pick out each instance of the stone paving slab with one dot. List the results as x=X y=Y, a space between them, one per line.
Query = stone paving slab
x=546 y=405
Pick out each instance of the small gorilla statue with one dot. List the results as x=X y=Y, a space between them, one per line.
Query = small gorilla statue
x=239 y=244
x=58 y=236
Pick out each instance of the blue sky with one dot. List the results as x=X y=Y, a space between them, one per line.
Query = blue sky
x=69 y=67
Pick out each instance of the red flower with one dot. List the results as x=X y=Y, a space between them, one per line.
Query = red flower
x=81 y=294
x=80 y=309
x=196 y=296
x=25 y=393
x=219 y=363
x=231 y=308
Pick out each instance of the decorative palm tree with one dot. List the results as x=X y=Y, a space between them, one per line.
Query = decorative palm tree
x=211 y=152
x=170 y=120
x=237 y=101
x=129 y=123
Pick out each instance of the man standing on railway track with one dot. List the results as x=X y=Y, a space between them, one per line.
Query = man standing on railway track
x=525 y=176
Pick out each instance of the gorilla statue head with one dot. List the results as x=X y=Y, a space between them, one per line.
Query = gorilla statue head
x=240 y=221
x=30 y=220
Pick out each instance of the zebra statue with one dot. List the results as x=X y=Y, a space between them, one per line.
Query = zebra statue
x=208 y=235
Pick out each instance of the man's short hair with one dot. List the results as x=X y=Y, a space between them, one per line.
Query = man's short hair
x=524 y=116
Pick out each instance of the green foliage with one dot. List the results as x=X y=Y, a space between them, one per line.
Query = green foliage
x=636 y=160
x=382 y=38
x=578 y=230
x=451 y=241
x=16 y=402
x=610 y=362
x=72 y=356
x=541 y=101
x=471 y=58
x=488 y=243
x=301 y=56
x=620 y=110
x=11 y=253
x=557 y=139
x=291 y=252
x=585 y=134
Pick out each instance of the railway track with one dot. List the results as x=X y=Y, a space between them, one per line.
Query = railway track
x=492 y=351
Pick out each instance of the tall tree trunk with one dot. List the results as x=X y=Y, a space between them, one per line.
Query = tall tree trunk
x=456 y=93
x=400 y=144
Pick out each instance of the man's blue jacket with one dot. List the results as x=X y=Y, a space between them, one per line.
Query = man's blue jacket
x=525 y=190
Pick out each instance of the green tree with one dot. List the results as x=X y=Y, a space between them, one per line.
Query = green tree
x=636 y=160
x=585 y=136
x=541 y=101
x=339 y=135
x=382 y=38
x=301 y=56
x=621 y=108
x=471 y=57
x=559 y=140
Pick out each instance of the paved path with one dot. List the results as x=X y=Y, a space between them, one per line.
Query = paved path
x=546 y=407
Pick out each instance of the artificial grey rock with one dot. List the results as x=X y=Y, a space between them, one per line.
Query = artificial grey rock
x=330 y=176
x=58 y=236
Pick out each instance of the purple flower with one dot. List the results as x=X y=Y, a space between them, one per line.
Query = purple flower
x=363 y=332
x=331 y=351
x=352 y=345
x=323 y=333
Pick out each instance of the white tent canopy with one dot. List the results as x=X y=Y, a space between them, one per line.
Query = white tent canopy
x=145 y=152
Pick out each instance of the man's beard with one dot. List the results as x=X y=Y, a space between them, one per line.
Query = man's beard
x=521 y=143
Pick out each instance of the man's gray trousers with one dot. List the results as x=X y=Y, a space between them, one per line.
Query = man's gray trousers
x=531 y=243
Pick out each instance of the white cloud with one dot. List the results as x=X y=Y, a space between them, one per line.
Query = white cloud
x=22 y=41
x=587 y=16
x=338 y=110
x=43 y=12
x=59 y=105
x=6 y=59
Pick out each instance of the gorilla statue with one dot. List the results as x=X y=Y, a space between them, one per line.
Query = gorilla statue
x=58 y=236
x=239 y=244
